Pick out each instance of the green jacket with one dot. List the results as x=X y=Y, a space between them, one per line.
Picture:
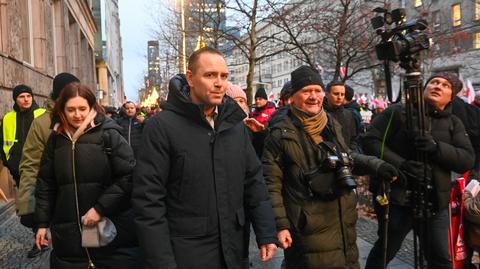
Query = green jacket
x=323 y=232
x=30 y=163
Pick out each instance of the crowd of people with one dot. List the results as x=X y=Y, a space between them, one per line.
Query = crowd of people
x=181 y=184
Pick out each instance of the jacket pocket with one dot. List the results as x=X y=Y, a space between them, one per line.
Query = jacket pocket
x=240 y=214
x=188 y=227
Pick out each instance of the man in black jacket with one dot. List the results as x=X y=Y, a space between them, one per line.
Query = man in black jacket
x=132 y=125
x=334 y=105
x=198 y=176
x=448 y=149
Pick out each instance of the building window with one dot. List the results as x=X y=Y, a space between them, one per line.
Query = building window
x=476 y=40
x=477 y=9
x=417 y=3
x=456 y=15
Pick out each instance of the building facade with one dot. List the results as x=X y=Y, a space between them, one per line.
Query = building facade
x=454 y=26
x=39 y=39
x=108 y=53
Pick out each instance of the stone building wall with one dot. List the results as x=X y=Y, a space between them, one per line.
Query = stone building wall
x=39 y=39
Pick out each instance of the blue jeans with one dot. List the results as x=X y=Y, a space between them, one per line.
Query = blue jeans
x=400 y=224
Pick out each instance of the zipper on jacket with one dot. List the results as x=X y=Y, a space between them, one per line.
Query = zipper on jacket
x=129 y=130
x=343 y=228
x=91 y=265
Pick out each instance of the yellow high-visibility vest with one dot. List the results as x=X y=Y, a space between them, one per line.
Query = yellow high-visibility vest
x=10 y=129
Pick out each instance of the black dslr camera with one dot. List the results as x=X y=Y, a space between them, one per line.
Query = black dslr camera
x=334 y=174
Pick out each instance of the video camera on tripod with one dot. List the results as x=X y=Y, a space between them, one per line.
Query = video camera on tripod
x=403 y=43
x=400 y=43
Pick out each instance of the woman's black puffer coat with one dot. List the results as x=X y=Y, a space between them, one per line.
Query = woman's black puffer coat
x=101 y=163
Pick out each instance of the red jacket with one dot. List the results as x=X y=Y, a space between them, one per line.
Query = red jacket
x=263 y=114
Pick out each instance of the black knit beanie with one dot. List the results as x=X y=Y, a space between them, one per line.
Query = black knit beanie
x=60 y=81
x=261 y=93
x=304 y=76
x=19 y=89
x=457 y=85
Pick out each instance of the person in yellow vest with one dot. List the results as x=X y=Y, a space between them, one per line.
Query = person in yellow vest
x=15 y=126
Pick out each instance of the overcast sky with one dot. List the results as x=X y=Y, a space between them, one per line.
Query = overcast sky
x=135 y=27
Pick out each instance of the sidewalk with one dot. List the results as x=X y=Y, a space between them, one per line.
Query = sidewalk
x=366 y=236
x=16 y=240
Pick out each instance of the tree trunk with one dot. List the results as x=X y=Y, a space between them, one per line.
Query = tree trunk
x=252 y=52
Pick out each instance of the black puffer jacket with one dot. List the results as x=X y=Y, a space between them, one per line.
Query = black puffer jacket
x=131 y=130
x=350 y=127
x=101 y=163
x=194 y=184
x=454 y=152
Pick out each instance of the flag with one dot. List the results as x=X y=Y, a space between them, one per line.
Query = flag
x=343 y=70
x=469 y=92
x=271 y=96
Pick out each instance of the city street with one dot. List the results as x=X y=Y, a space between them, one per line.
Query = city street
x=16 y=240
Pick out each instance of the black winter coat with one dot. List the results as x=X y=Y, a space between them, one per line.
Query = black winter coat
x=454 y=152
x=194 y=184
x=101 y=162
x=350 y=127
x=132 y=131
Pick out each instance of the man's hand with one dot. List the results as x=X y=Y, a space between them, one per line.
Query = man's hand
x=91 y=218
x=425 y=143
x=254 y=125
x=387 y=171
x=267 y=252
x=284 y=238
x=41 y=238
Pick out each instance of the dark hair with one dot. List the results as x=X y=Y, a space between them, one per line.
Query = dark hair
x=333 y=83
x=349 y=93
x=70 y=91
x=129 y=102
x=193 y=59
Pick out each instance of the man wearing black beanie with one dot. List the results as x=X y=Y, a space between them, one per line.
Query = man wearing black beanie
x=15 y=126
x=315 y=209
x=32 y=153
x=259 y=118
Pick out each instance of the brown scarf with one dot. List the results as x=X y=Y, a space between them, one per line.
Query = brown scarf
x=312 y=124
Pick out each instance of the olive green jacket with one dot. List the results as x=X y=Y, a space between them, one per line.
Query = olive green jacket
x=323 y=232
x=30 y=163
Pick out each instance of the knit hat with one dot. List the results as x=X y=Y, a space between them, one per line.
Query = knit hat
x=235 y=91
x=261 y=93
x=21 y=89
x=304 y=76
x=457 y=85
x=60 y=81
x=286 y=91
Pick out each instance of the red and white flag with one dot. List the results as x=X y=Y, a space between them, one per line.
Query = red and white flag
x=469 y=91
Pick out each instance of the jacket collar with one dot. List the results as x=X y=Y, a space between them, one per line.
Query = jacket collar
x=178 y=101
x=31 y=109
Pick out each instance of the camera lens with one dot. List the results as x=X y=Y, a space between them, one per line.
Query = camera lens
x=345 y=178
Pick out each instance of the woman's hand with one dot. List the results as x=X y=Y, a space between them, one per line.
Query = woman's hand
x=254 y=125
x=91 y=218
x=41 y=238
